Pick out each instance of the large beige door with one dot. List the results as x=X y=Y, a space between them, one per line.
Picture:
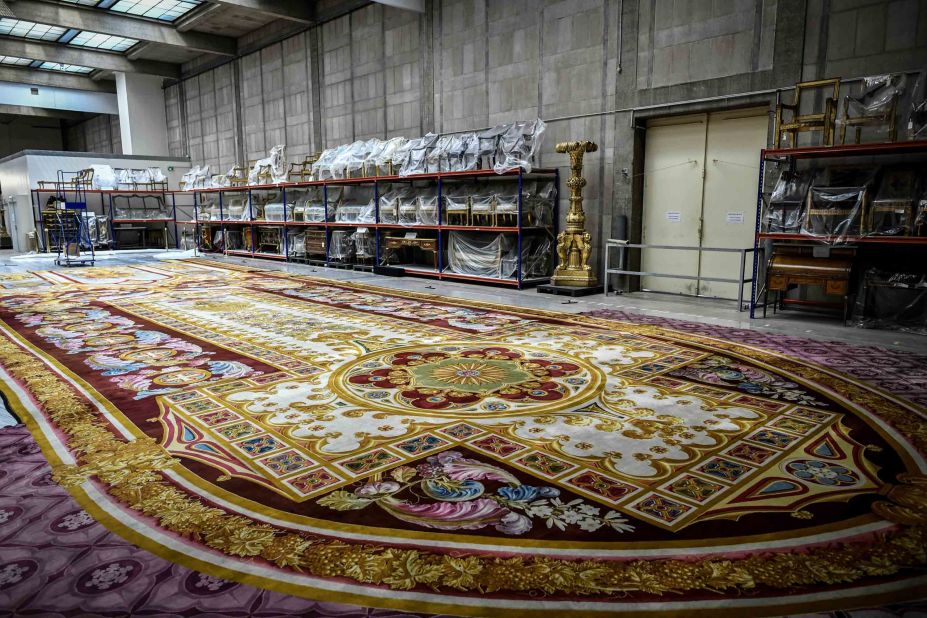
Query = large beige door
x=674 y=157
x=700 y=175
x=732 y=155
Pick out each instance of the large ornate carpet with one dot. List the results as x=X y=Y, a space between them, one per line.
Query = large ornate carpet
x=343 y=443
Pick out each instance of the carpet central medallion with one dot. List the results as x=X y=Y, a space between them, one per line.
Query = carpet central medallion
x=481 y=378
x=346 y=443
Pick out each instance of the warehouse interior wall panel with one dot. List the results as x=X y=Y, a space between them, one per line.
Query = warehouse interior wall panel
x=381 y=71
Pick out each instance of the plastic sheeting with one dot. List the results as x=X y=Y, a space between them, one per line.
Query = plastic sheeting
x=891 y=211
x=496 y=255
x=104 y=177
x=785 y=211
x=352 y=205
x=196 y=178
x=389 y=204
x=836 y=200
x=275 y=211
x=365 y=245
x=296 y=243
x=892 y=301
x=235 y=209
x=876 y=103
x=517 y=146
x=538 y=201
x=341 y=247
x=916 y=125
x=481 y=255
x=276 y=161
x=134 y=177
x=147 y=207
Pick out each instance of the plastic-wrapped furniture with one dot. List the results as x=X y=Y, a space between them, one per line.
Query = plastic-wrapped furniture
x=506 y=210
x=194 y=179
x=837 y=201
x=145 y=207
x=482 y=209
x=259 y=202
x=786 y=210
x=302 y=170
x=489 y=144
x=389 y=205
x=427 y=210
x=296 y=243
x=917 y=115
x=342 y=246
x=270 y=240
x=235 y=209
x=875 y=106
x=891 y=212
x=269 y=170
x=457 y=208
x=237 y=176
x=437 y=156
x=382 y=159
x=479 y=255
x=517 y=146
x=416 y=160
x=274 y=212
x=365 y=246
x=408 y=209
x=538 y=203
x=820 y=120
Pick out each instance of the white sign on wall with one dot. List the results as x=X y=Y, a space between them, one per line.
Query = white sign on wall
x=735 y=218
x=673 y=215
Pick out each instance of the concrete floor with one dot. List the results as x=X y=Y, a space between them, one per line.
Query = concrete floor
x=719 y=312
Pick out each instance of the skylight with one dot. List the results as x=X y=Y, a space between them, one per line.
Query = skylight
x=64 y=68
x=14 y=60
x=162 y=10
x=30 y=30
x=85 y=38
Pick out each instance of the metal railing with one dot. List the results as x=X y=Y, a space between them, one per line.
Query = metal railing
x=623 y=246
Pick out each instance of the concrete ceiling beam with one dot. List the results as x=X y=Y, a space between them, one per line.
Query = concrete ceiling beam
x=33 y=77
x=117 y=24
x=54 y=52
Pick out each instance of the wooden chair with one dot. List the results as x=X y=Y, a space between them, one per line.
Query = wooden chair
x=880 y=113
x=820 y=120
x=302 y=171
x=455 y=208
x=238 y=176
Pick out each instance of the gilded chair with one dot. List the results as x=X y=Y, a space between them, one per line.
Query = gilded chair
x=820 y=120
x=302 y=171
x=483 y=209
x=874 y=106
x=238 y=176
x=457 y=209
x=506 y=211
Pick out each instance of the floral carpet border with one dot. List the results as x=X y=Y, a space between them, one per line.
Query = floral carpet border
x=132 y=472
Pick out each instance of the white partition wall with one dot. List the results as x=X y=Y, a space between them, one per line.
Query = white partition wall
x=20 y=173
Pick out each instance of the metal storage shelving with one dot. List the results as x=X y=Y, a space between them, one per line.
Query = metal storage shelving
x=875 y=154
x=440 y=229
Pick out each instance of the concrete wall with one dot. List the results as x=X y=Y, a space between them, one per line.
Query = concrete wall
x=594 y=69
x=24 y=132
x=98 y=134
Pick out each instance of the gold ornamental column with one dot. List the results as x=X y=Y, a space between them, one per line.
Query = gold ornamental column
x=574 y=244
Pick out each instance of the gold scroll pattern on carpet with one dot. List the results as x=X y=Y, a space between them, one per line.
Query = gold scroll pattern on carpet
x=642 y=424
